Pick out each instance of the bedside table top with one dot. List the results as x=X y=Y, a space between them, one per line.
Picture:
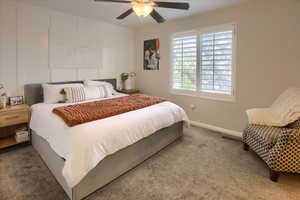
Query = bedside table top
x=15 y=108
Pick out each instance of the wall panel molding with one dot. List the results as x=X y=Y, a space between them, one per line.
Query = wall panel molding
x=42 y=45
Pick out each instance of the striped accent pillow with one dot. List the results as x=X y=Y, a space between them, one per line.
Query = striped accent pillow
x=75 y=94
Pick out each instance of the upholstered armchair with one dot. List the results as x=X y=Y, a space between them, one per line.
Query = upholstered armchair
x=279 y=147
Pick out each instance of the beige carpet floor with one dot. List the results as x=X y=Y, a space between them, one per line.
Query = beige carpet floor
x=202 y=166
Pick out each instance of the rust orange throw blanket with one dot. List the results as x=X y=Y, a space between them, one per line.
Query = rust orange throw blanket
x=91 y=111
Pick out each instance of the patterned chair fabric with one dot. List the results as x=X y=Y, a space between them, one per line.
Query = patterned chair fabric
x=279 y=147
x=294 y=125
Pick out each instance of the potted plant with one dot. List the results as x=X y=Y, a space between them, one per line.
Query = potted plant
x=128 y=80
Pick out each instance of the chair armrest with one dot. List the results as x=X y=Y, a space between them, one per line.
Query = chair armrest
x=285 y=156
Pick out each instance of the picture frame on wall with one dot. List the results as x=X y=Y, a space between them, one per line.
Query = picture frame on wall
x=151 y=54
x=16 y=100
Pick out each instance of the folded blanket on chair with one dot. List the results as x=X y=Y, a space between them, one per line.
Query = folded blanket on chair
x=285 y=110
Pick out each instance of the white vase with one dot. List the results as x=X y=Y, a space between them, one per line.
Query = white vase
x=129 y=84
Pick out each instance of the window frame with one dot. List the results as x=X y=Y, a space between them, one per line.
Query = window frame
x=198 y=92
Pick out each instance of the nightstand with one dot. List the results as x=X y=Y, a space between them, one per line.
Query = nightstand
x=133 y=91
x=12 y=118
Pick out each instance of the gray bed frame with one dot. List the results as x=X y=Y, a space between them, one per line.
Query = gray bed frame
x=110 y=167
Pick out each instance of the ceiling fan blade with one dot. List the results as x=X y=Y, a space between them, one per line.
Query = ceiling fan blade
x=174 y=5
x=125 y=14
x=157 y=16
x=114 y=1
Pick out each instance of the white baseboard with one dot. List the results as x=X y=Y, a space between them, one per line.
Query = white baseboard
x=226 y=132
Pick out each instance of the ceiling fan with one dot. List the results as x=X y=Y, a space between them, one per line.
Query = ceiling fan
x=145 y=8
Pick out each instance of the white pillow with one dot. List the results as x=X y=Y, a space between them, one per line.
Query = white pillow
x=94 y=92
x=108 y=86
x=52 y=93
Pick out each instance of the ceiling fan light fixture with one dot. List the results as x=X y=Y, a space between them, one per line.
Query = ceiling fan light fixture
x=146 y=7
x=142 y=9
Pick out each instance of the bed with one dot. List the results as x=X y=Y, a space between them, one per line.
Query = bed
x=111 y=166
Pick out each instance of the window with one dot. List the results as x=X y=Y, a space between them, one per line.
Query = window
x=203 y=63
x=185 y=62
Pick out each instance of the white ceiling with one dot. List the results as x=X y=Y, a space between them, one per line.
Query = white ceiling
x=109 y=11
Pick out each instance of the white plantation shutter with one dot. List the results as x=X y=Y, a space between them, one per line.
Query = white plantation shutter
x=203 y=63
x=184 y=51
x=216 y=62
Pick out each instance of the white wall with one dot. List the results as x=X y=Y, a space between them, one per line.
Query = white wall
x=40 y=45
x=268 y=58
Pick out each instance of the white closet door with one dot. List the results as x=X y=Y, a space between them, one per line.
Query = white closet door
x=8 y=32
x=84 y=74
x=64 y=74
x=62 y=40
x=88 y=46
x=32 y=56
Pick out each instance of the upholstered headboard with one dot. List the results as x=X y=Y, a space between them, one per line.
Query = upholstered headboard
x=34 y=92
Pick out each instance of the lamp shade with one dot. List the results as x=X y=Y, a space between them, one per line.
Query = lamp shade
x=142 y=9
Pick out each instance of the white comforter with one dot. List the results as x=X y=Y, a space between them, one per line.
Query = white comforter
x=84 y=146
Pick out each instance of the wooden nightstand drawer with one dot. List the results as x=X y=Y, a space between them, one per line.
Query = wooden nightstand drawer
x=13 y=118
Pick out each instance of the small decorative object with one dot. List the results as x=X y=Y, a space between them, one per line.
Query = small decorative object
x=17 y=100
x=2 y=90
x=3 y=97
x=151 y=54
x=21 y=136
x=3 y=101
x=128 y=80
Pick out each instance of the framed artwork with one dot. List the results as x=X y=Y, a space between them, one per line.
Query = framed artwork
x=17 y=100
x=151 y=54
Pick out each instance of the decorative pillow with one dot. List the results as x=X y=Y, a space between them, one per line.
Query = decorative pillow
x=108 y=86
x=53 y=93
x=95 y=92
x=295 y=124
x=75 y=94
